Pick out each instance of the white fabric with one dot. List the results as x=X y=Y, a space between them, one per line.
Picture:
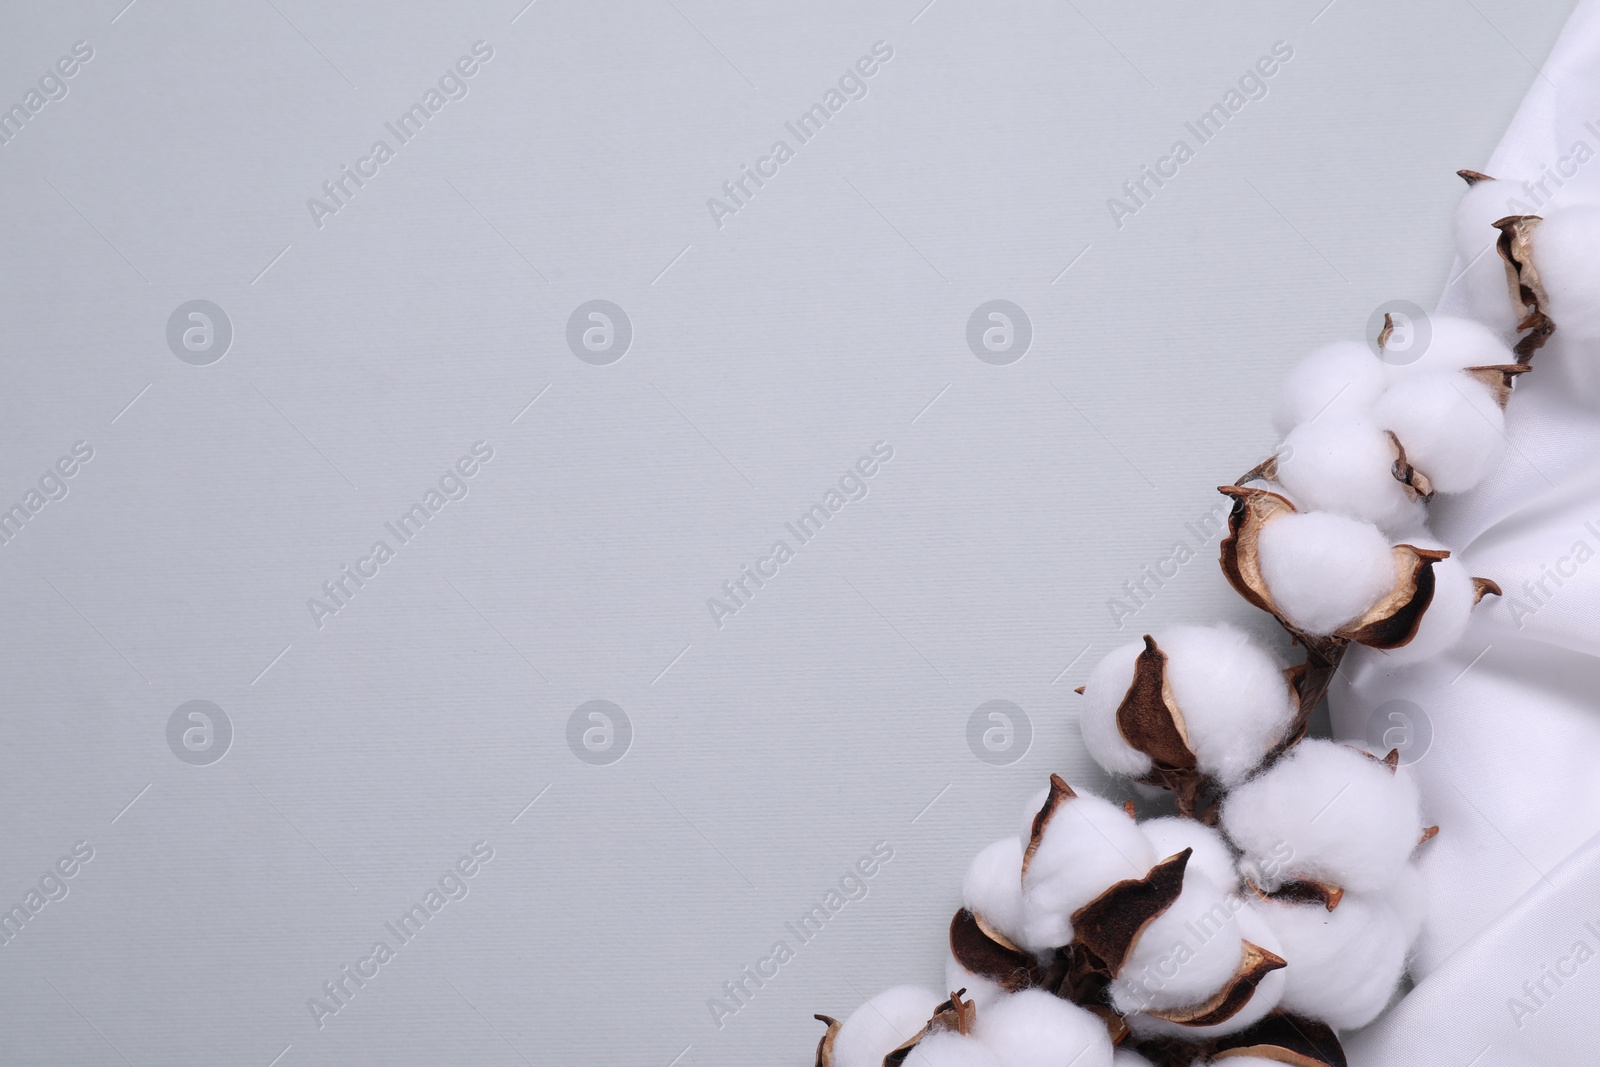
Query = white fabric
x=1510 y=774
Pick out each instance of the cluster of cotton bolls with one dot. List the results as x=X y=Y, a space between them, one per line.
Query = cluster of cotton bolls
x=1280 y=903
x=1365 y=444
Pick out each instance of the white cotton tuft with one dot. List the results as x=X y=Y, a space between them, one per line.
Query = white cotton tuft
x=980 y=991
x=1038 y=1029
x=1328 y=813
x=1454 y=344
x=1126 y=1057
x=1211 y=857
x=992 y=887
x=1325 y=570
x=1345 y=465
x=950 y=1049
x=1446 y=617
x=1452 y=427
x=1484 y=271
x=1185 y=956
x=1266 y=996
x=1344 y=377
x=1564 y=247
x=1344 y=964
x=1088 y=846
x=1102 y=695
x=882 y=1025
x=1230 y=690
x=1409 y=897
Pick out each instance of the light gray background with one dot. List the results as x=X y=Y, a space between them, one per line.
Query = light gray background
x=368 y=355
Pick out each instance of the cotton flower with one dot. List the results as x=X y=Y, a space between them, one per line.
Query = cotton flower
x=1325 y=813
x=1338 y=379
x=1038 y=1029
x=1450 y=424
x=1455 y=594
x=1324 y=570
x=1210 y=855
x=882 y=1025
x=992 y=887
x=1346 y=465
x=1079 y=846
x=1344 y=964
x=1229 y=703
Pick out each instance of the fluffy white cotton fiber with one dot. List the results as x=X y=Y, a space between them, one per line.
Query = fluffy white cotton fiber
x=1344 y=377
x=1235 y=700
x=1327 y=813
x=1088 y=846
x=882 y=1025
x=950 y=1049
x=980 y=991
x=1126 y=1057
x=1455 y=344
x=1345 y=465
x=1451 y=426
x=992 y=887
x=1230 y=690
x=1038 y=1029
x=1266 y=996
x=1447 y=615
x=1184 y=956
x=1484 y=275
x=1324 y=570
x=1564 y=251
x=1409 y=896
x=1102 y=694
x=1210 y=858
x=1344 y=964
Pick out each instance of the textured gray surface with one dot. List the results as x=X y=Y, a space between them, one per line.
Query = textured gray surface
x=768 y=356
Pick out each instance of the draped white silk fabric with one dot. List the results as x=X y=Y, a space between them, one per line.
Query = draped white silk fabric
x=1508 y=968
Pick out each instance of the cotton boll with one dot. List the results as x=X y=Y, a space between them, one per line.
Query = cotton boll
x=1265 y=997
x=1102 y=695
x=882 y=1025
x=1452 y=427
x=1230 y=691
x=1344 y=964
x=1211 y=858
x=1344 y=377
x=993 y=886
x=1564 y=247
x=1326 y=813
x=1236 y=702
x=1346 y=465
x=1185 y=956
x=980 y=991
x=1088 y=846
x=1038 y=1029
x=1455 y=344
x=1447 y=615
x=1484 y=271
x=950 y=1049
x=1324 y=570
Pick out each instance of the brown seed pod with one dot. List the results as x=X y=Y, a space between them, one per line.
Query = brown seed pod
x=825 y=1046
x=1499 y=377
x=953 y=1016
x=984 y=951
x=1516 y=248
x=1418 y=485
x=1255 y=963
x=1108 y=926
x=1284 y=1038
x=1060 y=793
x=1482 y=587
x=1303 y=891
